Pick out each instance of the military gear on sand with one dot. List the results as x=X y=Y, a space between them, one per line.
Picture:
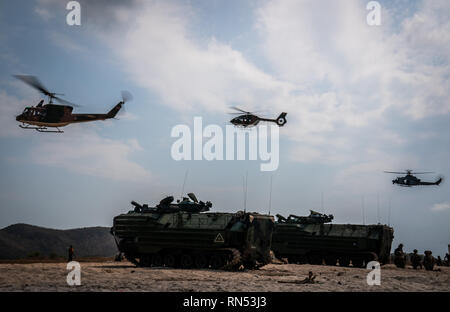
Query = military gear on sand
x=399 y=257
x=428 y=261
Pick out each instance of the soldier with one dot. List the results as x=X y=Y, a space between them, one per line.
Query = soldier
x=439 y=261
x=399 y=257
x=428 y=261
x=446 y=260
x=310 y=279
x=71 y=253
x=415 y=260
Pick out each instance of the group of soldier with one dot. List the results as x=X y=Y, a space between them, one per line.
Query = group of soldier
x=428 y=261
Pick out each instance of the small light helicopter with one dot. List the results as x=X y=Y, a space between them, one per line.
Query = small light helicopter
x=410 y=180
x=50 y=115
x=249 y=119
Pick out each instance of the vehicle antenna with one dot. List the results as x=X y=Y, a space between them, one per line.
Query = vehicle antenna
x=245 y=191
x=389 y=214
x=321 y=203
x=184 y=182
x=270 y=194
x=363 y=212
x=378 y=208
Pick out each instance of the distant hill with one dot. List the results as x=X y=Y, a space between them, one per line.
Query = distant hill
x=22 y=240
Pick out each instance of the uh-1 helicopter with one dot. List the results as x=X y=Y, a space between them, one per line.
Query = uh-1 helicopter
x=410 y=180
x=50 y=115
x=249 y=119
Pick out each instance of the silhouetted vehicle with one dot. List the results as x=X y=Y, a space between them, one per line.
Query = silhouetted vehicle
x=248 y=119
x=410 y=180
x=186 y=235
x=50 y=115
x=310 y=240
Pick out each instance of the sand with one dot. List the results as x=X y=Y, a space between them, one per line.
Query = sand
x=123 y=276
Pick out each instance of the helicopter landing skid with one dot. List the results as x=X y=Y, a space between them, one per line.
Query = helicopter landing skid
x=42 y=129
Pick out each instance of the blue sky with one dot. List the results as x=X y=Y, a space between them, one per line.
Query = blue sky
x=360 y=99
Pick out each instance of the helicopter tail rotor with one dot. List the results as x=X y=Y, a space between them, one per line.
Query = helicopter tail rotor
x=126 y=97
x=281 y=120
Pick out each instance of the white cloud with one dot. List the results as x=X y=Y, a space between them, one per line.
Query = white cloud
x=66 y=42
x=332 y=68
x=306 y=154
x=354 y=73
x=364 y=172
x=43 y=13
x=89 y=154
x=11 y=106
x=336 y=76
x=328 y=46
x=161 y=54
x=441 y=206
x=79 y=150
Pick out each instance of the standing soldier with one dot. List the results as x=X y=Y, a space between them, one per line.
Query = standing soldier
x=428 y=261
x=399 y=257
x=439 y=261
x=71 y=253
x=446 y=260
x=415 y=260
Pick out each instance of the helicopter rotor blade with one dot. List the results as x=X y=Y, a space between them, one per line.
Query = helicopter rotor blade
x=247 y=113
x=33 y=82
x=408 y=172
x=60 y=100
x=126 y=96
x=240 y=110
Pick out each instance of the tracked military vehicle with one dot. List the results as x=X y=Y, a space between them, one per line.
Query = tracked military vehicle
x=308 y=239
x=186 y=235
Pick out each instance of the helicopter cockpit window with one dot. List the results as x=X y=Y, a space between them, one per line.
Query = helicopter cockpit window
x=40 y=113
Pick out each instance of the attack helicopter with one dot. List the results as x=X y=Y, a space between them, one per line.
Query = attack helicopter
x=410 y=180
x=50 y=115
x=248 y=119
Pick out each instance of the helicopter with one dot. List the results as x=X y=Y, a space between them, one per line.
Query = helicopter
x=249 y=119
x=50 y=115
x=410 y=180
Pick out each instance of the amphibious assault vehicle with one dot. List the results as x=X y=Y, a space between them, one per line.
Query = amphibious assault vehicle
x=310 y=240
x=186 y=235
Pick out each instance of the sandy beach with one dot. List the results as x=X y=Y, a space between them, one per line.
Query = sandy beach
x=123 y=276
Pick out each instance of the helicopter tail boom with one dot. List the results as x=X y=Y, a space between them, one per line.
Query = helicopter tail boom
x=113 y=112
x=280 y=121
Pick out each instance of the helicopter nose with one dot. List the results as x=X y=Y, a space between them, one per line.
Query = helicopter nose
x=18 y=117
